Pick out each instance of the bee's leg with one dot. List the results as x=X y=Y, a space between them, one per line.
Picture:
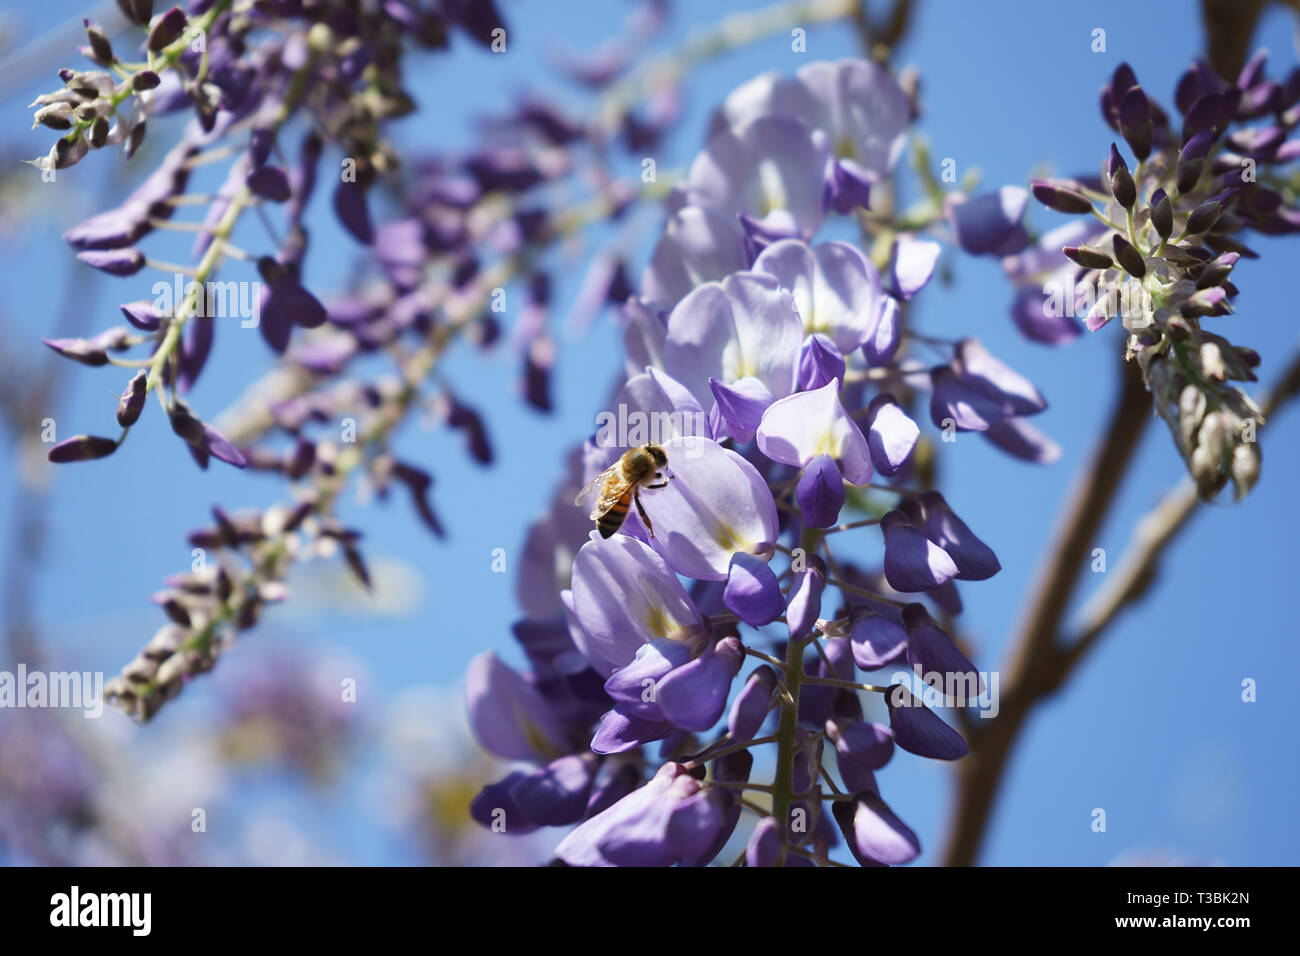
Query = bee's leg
x=640 y=509
x=662 y=484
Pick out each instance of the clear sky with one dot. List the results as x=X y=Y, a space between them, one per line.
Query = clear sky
x=1152 y=729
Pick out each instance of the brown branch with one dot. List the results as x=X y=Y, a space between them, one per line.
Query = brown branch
x=1034 y=669
x=1152 y=535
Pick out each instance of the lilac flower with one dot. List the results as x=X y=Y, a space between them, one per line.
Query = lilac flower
x=768 y=171
x=625 y=595
x=912 y=562
x=744 y=327
x=911 y=264
x=669 y=820
x=919 y=730
x=753 y=593
x=752 y=705
x=856 y=105
x=508 y=715
x=990 y=224
x=835 y=289
x=978 y=391
x=694 y=695
x=935 y=658
x=813 y=427
x=876 y=832
x=891 y=435
x=717 y=505
x=974 y=559
x=698 y=245
x=876 y=639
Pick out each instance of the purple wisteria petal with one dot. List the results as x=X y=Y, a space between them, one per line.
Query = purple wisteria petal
x=820 y=362
x=751 y=706
x=886 y=334
x=912 y=562
x=142 y=315
x=975 y=560
x=771 y=170
x=645 y=330
x=624 y=595
x=694 y=695
x=976 y=366
x=619 y=732
x=820 y=492
x=1017 y=437
x=848 y=187
x=658 y=825
x=632 y=688
x=494 y=806
x=716 y=506
x=743 y=327
x=954 y=400
x=879 y=834
x=802 y=426
x=741 y=405
x=891 y=435
x=667 y=409
x=219 y=447
x=875 y=640
x=697 y=246
x=764 y=847
x=991 y=223
x=835 y=288
x=911 y=264
x=508 y=715
x=557 y=794
x=622 y=782
x=869 y=746
x=1039 y=320
x=937 y=660
x=753 y=592
x=919 y=730
x=115 y=262
x=805 y=602
x=855 y=104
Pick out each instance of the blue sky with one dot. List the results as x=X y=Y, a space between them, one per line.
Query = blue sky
x=1152 y=729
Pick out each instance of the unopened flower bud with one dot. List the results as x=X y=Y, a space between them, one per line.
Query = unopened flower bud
x=82 y=448
x=166 y=28
x=131 y=403
x=1060 y=198
x=1121 y=180
x=1128 y=257
x=1162 y=214
x=101 y=51
x=1088 y=258
x=1245 y=468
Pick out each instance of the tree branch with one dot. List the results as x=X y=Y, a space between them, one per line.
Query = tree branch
x=1034 y=669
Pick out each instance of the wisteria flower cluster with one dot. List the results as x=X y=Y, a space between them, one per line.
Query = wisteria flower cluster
x=778 y=371
x=1162 y=244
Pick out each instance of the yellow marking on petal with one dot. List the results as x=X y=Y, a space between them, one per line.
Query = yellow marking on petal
x=773 y=189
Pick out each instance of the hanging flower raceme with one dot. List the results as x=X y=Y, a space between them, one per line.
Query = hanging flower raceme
x=780 y=373
x=1172 y=223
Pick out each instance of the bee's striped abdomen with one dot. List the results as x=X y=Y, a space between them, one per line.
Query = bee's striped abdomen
x=612 y=520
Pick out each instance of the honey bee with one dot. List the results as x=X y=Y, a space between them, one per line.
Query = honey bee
x=620 y=485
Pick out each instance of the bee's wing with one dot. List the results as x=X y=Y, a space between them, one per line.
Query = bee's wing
x=614 y=489
x=592 y=488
